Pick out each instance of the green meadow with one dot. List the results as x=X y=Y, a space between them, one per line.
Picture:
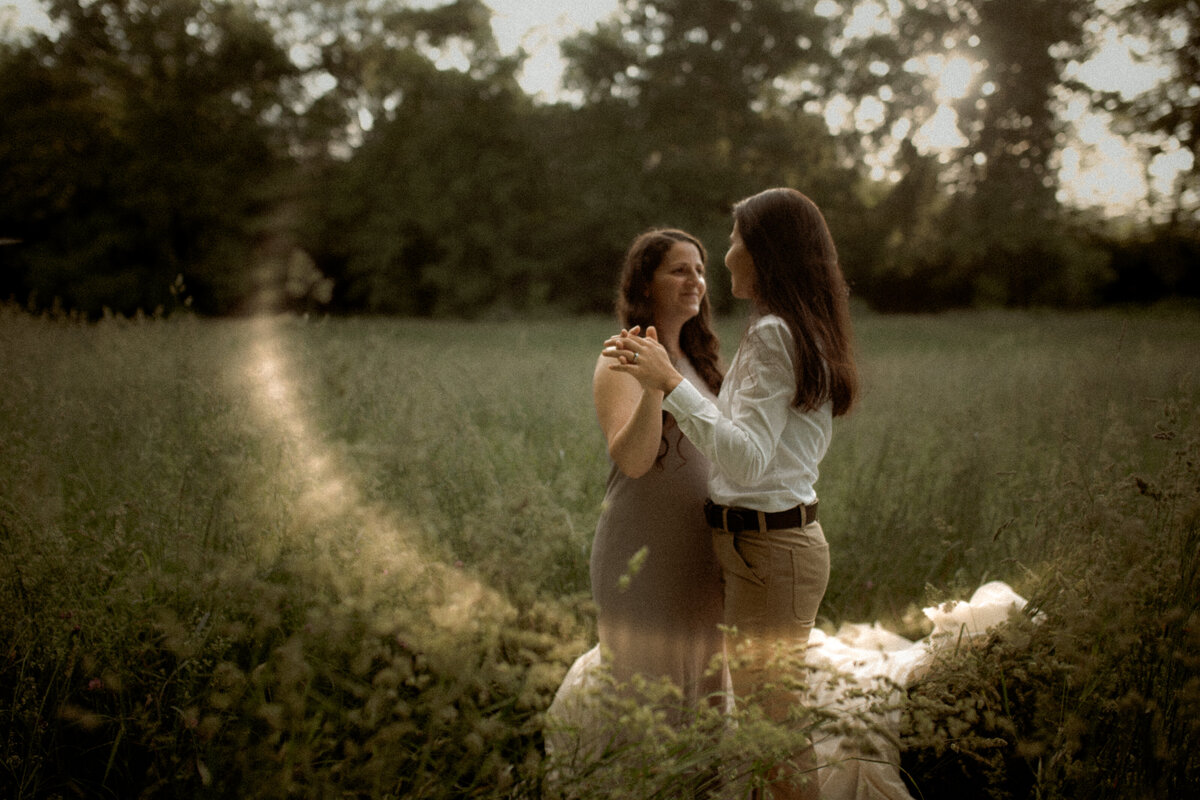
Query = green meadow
x=289 y=557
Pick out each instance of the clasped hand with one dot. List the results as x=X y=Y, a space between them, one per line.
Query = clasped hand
x=644 y=358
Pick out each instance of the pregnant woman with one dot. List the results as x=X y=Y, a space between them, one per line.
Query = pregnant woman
x=655 y=579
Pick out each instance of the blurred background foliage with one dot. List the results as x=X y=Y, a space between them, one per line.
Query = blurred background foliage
x=381 y=156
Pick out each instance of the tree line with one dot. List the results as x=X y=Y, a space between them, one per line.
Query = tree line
x=380 y=156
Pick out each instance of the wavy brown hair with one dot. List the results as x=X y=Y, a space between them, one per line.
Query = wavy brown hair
x=635 y=306
x=798 y=278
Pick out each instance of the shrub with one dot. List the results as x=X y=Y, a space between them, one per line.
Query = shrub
x=272 y=685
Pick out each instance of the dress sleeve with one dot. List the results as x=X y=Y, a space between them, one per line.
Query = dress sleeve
x=742 y=442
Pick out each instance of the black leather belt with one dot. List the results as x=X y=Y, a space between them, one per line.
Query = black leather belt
x=736 y=520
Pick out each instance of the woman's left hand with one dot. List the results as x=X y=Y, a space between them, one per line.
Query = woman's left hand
x=643 y=358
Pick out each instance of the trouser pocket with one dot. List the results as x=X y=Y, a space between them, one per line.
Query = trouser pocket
x=729 y=549
x=774 y=581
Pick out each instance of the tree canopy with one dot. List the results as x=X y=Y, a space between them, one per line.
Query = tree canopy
x=380 y=155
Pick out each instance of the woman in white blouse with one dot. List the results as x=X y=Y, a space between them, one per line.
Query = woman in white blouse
x=765 y=436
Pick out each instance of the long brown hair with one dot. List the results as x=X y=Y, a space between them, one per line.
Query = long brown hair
x=798 y=278
x=635 y=306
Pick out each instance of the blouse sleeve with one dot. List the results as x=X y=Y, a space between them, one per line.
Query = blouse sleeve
x=742 y=444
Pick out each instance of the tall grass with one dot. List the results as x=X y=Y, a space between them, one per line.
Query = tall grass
x=349 y=557
x=952 y=470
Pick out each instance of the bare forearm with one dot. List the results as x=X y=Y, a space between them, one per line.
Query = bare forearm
x=636 y=445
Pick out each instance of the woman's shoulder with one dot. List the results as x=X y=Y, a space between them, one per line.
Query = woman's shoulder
x=769 y=343
x=767 y=320
x=608 y=384
x=770 y=331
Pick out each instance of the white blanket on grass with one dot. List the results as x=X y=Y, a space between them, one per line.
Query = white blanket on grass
x=867 y=654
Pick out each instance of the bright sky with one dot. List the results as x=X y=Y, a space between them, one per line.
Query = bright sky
x=538 y=26
x=22 y=14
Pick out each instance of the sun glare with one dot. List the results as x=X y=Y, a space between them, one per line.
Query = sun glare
x=954 y=77
x=329 y=497
x=537 y=27
x=871 y=19
x=23 y=15
x=1119 y=65
x=940 y=132
x=1104 y=175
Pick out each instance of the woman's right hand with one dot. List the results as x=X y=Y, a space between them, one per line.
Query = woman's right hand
x=630 y=416
x=643 y=358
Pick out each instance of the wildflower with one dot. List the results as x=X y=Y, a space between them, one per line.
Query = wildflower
x=95 y=685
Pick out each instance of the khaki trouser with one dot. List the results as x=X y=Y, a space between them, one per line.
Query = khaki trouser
x=774 y=583
x=774 y=580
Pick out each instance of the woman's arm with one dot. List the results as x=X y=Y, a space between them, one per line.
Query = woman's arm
x=743 y=442
x=631 y=418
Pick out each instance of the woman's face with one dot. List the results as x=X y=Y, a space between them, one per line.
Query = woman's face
x=678 y=284
x=741 y=267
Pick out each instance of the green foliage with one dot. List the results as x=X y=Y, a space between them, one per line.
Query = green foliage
x=134 y=144
x=454 y=439
x=369 y=54
x=414 y=227
x=349 y=557
x=986 y=229
x=1154 y=264
x=638 y=743
x=231 y=141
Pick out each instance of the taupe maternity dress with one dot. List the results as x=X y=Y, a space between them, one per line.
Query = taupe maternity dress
x=664 y=621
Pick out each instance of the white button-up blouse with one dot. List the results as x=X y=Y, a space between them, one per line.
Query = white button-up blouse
x=764 y=451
